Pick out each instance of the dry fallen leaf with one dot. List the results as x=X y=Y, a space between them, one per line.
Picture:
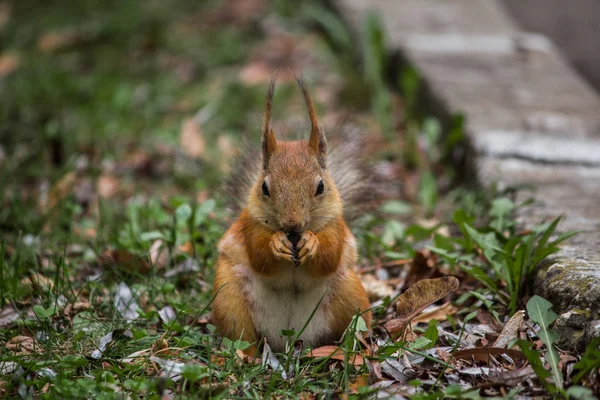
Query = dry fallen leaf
x=416 y=298
x=361 y=381
x=335 y=353
x=439 y=314
x=191 y=140
x=422 y=267
x=107 y=186
x=60 y=190
x=9 y=63
x=22 y=345
x=510 y=330
x=125 y=259
x=187 y=248
x=8 y=315
x=38 y=282
x=484 y=354
x=512 y=378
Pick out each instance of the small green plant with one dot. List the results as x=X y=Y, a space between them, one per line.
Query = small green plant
x=540 y=312
x=507 y=257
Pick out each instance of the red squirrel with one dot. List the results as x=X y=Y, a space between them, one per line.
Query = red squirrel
x=290 y=251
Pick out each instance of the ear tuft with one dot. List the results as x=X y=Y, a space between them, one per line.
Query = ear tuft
x=269 y=143
x=317 y=141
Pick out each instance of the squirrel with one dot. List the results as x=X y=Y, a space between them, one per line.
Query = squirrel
x=290 y=252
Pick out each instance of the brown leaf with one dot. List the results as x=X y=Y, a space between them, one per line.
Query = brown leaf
x=484 y=353
x=22 y=345
x=361 y=381
x=125 y=259
x=335 y=353
x=439 y=314
x=422 y=267
x=61 y=189
x=107 y=186
x=416 y=298
x=510 y=330
x=9 y=63
x=191 y=140
x=161 y=347
x=443 y=355
x=187 y=248
x=38 y=282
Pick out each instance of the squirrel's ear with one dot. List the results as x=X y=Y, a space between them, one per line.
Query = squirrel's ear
x=269 y=143
x=317 y=141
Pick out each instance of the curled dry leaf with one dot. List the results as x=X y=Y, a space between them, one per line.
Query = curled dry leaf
x=191 y=140
x=510 y=330
x=23 y=345
x=37 y=282
x=335 y=353
x=416 y=298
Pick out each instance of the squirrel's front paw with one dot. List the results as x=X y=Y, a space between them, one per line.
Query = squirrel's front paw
x=307 y=247
x=281 y=247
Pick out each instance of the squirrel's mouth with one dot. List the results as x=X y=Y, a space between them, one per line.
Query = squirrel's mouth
x=294 y=237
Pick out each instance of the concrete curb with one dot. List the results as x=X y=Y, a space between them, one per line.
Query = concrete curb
x=531 y=119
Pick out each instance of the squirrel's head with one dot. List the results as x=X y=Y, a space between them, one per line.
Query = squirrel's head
x=295 y=191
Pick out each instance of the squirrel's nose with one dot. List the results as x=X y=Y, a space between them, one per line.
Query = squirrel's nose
x=291 y=224
x=292 y=227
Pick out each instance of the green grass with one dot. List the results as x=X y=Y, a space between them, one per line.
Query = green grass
x=107 y=104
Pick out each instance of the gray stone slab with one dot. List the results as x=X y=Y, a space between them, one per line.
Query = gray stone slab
x=516 y=92
x=531 y=120
x=572 y=25
x=568 y=190
x=409 y=17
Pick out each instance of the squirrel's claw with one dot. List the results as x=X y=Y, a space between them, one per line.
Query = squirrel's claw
x=281 y=247
x=307 y=247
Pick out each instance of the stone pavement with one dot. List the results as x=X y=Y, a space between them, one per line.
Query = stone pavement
x=531 y=119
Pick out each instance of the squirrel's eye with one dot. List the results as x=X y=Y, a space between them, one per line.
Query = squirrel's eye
x=320 y=188
x=265 y=189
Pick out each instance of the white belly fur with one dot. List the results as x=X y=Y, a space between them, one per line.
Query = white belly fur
x=285 y=302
